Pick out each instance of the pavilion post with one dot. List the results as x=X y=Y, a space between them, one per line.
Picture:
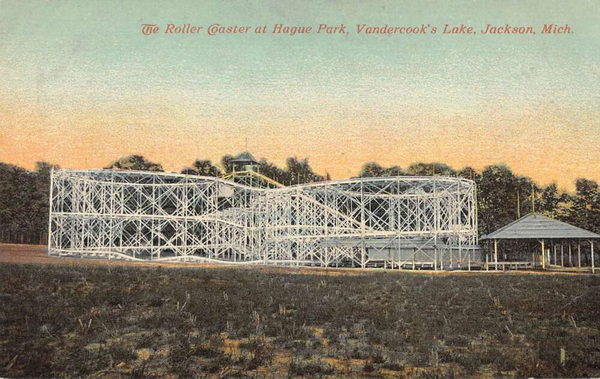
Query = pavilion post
x=469 y=261
x=554 y=249
x=562 y=255
x=570 y=255
x=592 y=253
x=543 y=255
x=496 y=253
x=579 y=253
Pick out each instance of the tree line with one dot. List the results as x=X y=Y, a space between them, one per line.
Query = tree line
x=502 y=195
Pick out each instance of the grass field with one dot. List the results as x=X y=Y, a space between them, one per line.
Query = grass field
x=70 y=317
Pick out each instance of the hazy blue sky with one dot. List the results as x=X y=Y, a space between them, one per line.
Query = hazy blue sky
x=80 y=85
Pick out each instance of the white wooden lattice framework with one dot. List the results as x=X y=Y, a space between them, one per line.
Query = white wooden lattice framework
x=393 y=222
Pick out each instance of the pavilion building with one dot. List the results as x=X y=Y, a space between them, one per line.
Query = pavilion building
x=559 y=245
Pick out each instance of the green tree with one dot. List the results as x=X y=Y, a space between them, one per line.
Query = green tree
x=497 y=189
x=552 y=202
x=202 y=167
x=469 y=173
x=394 y=171
x=226 y=163
x=14 y=199
x=371 y=169
x=524 y=198
x=24 y=199
x=134 y=162
x=427 y=169
x=585 y=210
x=40 y=197
x=270 y=170
x=300 y=172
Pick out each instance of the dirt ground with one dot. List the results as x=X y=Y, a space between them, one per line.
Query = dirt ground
x=16 y=253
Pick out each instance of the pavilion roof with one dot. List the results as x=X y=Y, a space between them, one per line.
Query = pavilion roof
x=244 y=157
x=537 y=226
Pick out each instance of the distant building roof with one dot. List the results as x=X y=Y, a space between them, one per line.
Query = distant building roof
x=537 y=226
x=244 y=157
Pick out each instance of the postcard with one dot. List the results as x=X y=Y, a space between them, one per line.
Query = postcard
x=299 y=188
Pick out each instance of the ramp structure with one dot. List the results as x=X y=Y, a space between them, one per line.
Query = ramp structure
x=396 y=222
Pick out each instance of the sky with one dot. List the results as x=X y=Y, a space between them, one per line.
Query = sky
x=81 y=86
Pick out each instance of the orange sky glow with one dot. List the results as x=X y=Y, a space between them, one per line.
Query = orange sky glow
x=337 y=145
x=89 y=87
